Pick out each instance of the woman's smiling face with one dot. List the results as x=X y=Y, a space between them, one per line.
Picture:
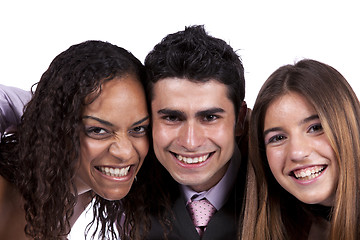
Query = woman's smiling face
x=114 y=140
x=298 y=151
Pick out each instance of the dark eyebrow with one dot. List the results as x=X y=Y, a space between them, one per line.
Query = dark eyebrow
x=178 y=113
x=167 y=111
x=99 y=120
x=210 y=111
x=110 y=124
x=140 y=121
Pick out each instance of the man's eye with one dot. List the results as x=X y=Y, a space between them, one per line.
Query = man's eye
x=171 y=118
x=210 y=118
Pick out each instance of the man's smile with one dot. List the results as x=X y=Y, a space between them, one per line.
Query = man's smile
x=192 y=160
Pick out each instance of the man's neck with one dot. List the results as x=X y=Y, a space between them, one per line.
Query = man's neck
x=212 y=181
x=218 y=194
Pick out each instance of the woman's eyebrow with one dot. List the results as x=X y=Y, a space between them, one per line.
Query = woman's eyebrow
x=267 y=131
x=308 y=119
x=110 y=124
x=99 y=120
x=140 y=121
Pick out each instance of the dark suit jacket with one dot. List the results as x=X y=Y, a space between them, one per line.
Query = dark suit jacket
x=223 y=225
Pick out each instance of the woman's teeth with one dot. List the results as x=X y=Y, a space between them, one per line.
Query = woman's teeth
x=308 y=173
x=115 y=172
x=189 y=160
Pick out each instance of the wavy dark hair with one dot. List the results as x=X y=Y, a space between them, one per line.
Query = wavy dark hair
x=48 y=144
x=199 y=57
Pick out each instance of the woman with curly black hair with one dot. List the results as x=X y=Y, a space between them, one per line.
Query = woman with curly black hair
x=83 y=137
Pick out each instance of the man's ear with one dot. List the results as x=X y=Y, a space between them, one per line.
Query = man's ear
x=242 y=120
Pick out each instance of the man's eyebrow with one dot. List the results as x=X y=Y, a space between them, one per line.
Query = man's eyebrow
x=210 y=111
x=167 y=111
x=99 y=120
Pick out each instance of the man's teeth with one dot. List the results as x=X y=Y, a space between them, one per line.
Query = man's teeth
x=115 y=172
x=309 y=173
x=190 y=160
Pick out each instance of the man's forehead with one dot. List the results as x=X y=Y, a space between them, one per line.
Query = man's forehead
x=176 y=85
x=173 y=80
x=187 y=96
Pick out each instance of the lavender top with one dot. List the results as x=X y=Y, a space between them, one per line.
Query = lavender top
x=12 y=102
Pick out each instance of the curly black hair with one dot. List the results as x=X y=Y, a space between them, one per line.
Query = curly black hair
x=48 y=143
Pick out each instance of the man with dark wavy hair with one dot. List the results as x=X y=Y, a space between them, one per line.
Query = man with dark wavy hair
x=196 y=90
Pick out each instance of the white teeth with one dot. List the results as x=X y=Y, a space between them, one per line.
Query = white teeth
x=189 y=160
x=115 y=172
x=309 y=173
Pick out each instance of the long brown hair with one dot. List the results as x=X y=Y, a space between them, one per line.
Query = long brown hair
x=270 y=211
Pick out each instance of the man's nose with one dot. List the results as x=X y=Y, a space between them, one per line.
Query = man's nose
x=191 y=136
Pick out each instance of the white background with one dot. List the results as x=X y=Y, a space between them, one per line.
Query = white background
x=267 y=34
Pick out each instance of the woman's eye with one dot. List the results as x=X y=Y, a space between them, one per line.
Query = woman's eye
x=315 y=128
x=275 y=139
x=140 y=131
x=96 y=132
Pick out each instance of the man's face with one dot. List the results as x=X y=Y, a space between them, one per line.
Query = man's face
x=193 y=130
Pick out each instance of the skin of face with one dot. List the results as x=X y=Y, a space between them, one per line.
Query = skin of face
x=114 y=141
x=193 y=130
x=298 y=151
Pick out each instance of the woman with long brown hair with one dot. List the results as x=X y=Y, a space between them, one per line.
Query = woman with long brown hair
x=304 y=149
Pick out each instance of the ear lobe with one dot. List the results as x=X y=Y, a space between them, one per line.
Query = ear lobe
x=242 y=120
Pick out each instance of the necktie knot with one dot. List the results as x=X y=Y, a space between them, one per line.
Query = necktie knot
x=201 y=211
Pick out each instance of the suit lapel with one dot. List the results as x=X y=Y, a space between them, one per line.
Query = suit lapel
x=183 y=223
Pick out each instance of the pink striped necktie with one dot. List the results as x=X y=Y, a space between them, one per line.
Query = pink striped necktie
x=201 y=211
